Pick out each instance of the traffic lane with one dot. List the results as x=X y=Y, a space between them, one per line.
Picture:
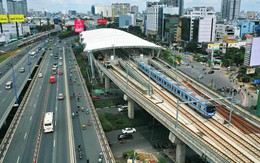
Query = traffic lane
x=62 y=132
x=143 y=140
x=26 y=134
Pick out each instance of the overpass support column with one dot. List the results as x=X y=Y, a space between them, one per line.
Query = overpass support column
x=180 y=149
x=91 y=62
x=131 y=111
x=107 y=83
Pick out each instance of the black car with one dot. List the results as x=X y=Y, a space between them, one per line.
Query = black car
x=125 y=136
x=211 y=72
x=56 y=57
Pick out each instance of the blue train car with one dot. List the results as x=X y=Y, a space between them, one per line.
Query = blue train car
x=207 y=109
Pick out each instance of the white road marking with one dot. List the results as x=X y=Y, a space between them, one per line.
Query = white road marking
x=31 y=118
x=25 y=135
x=34 y=105
x=18 y=159
x=38 y=95
x=3 y=100
x=55 y=123
x=56 y=108
x=54 y=143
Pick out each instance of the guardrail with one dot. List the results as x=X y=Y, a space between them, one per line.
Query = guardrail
x=191 y=140
x=108 y=155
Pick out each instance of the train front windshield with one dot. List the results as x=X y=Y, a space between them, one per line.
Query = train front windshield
x=211 y=109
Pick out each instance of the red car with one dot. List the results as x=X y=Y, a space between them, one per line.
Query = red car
x=89 y=122
x=95 y=97
x=60 y=73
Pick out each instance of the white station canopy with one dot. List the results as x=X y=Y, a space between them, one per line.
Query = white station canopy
x=108 y=38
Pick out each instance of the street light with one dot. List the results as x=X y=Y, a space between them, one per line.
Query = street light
x=29 y=67
x=15 y=92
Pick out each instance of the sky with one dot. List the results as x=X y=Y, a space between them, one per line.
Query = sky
x=85 y=5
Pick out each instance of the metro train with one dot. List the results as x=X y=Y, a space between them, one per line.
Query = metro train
x=207 y=109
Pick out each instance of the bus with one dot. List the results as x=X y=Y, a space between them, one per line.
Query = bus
x=48 y=122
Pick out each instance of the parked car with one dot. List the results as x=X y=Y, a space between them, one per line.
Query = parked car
x=60 y=73
x=211 y=72
x=123 y=108
x=128 y=130
x=95 y=97
x=125 y=136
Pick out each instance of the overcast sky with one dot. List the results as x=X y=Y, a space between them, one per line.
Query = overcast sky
x=84 y=5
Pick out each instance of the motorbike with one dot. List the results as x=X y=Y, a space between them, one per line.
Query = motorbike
x=73 y=115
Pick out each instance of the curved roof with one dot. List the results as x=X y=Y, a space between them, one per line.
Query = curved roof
x=108 y=38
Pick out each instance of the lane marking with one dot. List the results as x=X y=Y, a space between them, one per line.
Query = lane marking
x=18 y=159
x=34 y=105
x=54 y=143
x=31 y=118
x=38 y=95
x=25 y=135
x=56 y=108
x=55 y=123
x=3 y=100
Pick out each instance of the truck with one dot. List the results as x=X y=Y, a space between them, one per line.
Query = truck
x=52 y=79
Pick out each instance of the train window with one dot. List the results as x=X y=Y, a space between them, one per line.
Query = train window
x=186 y=97
x=178 y=92
x=195 y=103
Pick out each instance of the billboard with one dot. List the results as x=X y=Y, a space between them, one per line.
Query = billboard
x=213 y=46
x=102 y=21
x=3 y=19
x=255 y=52
x=78 y=25
x=16 y=18
x=250 y=71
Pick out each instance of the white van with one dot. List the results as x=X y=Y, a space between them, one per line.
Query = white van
x=9 y=85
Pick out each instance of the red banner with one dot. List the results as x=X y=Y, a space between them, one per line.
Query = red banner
x=102 y=21
x=78 y=25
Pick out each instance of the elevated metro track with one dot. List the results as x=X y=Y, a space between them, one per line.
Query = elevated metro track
x=202 y=144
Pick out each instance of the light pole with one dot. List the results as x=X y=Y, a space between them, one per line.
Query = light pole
x=15 y=92
x=29 y=67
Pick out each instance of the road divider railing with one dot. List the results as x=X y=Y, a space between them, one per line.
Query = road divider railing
x=107 y=152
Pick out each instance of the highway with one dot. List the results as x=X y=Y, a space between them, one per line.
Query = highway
x=9 y=99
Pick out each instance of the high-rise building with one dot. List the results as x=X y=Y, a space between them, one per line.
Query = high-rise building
x=1 y=7
x=72 y=13
x=230 y=9
x=120 y=8
x=170 y=2
x=202 y=22
x=105 y=11
x=93 y=10
x=10 y=6
x=134 y=9
x=17 y=7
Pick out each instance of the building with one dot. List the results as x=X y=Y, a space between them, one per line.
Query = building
x=223 y=30
x=246 y=27
x=72 y=13
x=201 y=22
x=17 y=7
x=125 y=21
x=10 y=6
x=154 y=13
x=230 y=9
x=93 y=10
x=105 y=11
x=170 y=2
x=257 y=30
x=134 y=9
x=120 y=8
x=1 y=7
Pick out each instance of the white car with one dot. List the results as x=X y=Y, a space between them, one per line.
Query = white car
x=123 y=108
x=40 y=75
x=60 y=58
x=51 y=54
x=60 y=96
x=128 y=130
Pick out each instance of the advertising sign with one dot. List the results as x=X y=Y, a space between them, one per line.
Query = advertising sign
x=78 y=25
x=250 y=71
x=255 y=52
x=213 y=46
x=3 y=19
x=102 y=21
x=16 y=18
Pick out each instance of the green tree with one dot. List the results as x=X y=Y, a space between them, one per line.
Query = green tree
x=192 y=47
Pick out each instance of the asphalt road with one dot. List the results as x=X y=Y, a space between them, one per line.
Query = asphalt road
x=8 y=96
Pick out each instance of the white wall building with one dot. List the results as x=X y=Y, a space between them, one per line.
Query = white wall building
x=206 y=25
x=224 y=30
x=152 y=15
x=106 y=11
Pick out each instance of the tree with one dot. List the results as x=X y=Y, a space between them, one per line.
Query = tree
x=192 y=47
